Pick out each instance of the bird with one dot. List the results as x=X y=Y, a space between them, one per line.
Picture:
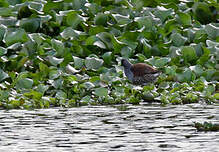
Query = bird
x=139 y=73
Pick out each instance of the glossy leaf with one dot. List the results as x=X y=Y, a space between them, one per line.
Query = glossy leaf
x=121 y=19
x=3 y=75
x=17 y=36
x=101 y=92
x=93 y=63
x=188 y=53
x=3 y=51
x=107 y=57
x=30 y=25
x=73 y=19
x=68 y=33
x=78 y=62
x=101 y=19
x=212 y=31
x=178 y=39
x=58 y=46
x=162 y=62
x=2 y=32
x=185 y=18
x=55 y=61
x=24 y=83
x=163 y=13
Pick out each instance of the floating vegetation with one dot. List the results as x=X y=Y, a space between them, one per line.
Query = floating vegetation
x=68 y=53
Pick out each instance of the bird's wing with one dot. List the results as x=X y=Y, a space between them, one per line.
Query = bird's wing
x=140 y=69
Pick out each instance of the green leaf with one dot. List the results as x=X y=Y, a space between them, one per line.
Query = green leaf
x=212 y=43
x=141 y=57
x=119 y=91
x=185 y=18
x=85 y=100
x=148 y=96
x=93 y=63
x=186 y=76
x=216 y=96
x=54 y=74
x=88 y=85
x=170 y=26
x=121 y=19
x=107 y=57
x=188 y=53
x=17 y=36
x=24 y=11
x=5 y=12
x=202 y=12
x=209 y=73
x=212 y=31
x=171 y=70
x=96 y=29
x=163 y=13
x=58 y=46
x=4 y=3
x=30 y=25
x=37 y=38
x=200 y=36
x=126 y=52
x=162 y=62
x=2 y=32
x=78 y=62
x=145 y=21
x=198 y=69
x=190 y=34
x=68 y=33
x=91 y=40
x=61 y=95
x=24 y=83
x=101 y=19
x=198 y=48
x=101 y=92
x=43 y=69
x=146 y=47
x=106 y=38
x=178 y=39
x=209 y=90
x=55 y=61
x=3 y=51
x=42 y=88
x=73 y=19
x=37 y=6
x=4 y=95
x=3 y=75
x=205 y=57
x=117 y=45
x=71 y=69
x=58 y=84
x=50 y=5
x=33 y=95
x=100 y=44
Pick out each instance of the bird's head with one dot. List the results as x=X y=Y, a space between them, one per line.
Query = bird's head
x=125 y=63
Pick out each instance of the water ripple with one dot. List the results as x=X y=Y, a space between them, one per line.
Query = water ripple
x=105 y=128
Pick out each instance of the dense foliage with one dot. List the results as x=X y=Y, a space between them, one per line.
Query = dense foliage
x=68 y=52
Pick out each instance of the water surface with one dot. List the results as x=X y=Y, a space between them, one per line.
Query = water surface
x=148 y=127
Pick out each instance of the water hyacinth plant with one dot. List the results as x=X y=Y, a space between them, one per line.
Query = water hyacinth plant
x=68 y=53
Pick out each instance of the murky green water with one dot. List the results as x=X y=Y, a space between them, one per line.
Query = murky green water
x=105 y=128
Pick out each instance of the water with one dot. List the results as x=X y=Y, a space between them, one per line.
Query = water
x=109 y=128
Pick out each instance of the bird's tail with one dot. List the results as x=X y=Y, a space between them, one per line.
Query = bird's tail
x=157 y=74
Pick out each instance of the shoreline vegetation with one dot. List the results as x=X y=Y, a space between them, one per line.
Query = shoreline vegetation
x=68 y=53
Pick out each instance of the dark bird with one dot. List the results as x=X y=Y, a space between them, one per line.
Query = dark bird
x=140 y=73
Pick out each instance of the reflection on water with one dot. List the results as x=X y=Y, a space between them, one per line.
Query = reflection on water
x=106 y=128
